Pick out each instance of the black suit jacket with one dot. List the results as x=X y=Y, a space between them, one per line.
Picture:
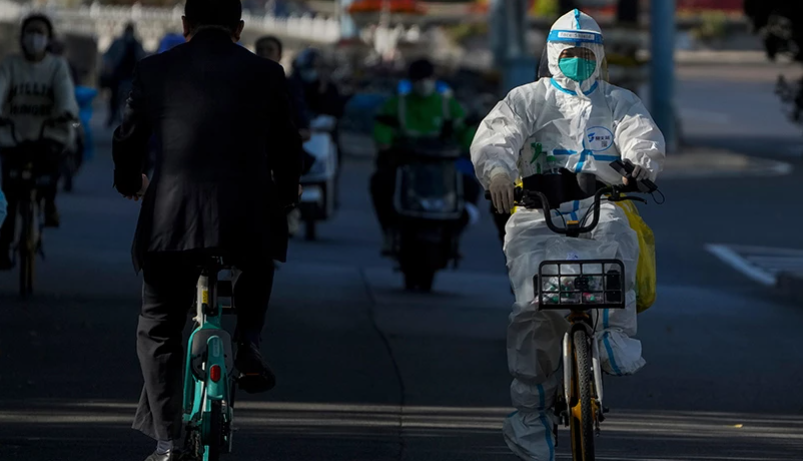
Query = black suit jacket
x=228 y=158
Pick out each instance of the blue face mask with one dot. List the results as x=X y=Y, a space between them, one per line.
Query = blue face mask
x=577 y=69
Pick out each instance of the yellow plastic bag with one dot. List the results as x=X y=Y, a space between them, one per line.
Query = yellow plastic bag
x=646 y=276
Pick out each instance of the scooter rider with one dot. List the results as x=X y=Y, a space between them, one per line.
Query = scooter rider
x=424 y=113
x=578 y=122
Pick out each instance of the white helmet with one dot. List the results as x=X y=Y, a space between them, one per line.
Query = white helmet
x=574 y=29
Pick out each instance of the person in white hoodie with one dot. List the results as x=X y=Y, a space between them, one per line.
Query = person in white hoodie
x=575 y=121
x=35 y=86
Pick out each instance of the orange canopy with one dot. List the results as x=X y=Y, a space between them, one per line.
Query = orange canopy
x=481 y=6
x=395 y=6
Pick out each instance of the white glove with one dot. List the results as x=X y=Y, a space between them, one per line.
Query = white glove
x=501 y=190
x=639 y=174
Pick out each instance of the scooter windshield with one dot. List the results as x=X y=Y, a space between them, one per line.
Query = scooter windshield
x=429 y=190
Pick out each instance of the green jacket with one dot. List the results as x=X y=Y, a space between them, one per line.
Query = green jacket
x=423 y=116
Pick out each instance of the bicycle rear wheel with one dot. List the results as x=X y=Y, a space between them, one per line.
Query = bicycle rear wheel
x=215 y=443
x=582 y=411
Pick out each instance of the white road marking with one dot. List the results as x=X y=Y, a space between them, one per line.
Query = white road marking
x=759 y=263
x=719 y=118
x=767 y=168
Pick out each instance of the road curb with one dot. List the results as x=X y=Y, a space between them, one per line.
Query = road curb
x=790 y=285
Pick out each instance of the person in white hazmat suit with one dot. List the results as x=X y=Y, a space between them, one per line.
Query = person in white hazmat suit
x=576 y=121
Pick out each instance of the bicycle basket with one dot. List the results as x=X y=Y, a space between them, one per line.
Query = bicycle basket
x=586 y=284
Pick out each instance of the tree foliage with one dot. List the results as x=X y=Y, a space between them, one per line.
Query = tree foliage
x=780 y=23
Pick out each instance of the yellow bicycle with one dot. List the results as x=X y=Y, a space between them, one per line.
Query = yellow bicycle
x=579 y=287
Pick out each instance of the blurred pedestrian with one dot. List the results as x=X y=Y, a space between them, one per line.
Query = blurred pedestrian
x=118 y=68
x=320 y=92
x=321 y=95
x=170 y=41
x=270 y=47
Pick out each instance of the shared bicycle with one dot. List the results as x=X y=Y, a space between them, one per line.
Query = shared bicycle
x=581 y=286
x=209 y=377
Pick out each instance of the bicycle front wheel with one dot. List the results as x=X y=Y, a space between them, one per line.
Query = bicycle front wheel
x=27 y=250
x=582 y=411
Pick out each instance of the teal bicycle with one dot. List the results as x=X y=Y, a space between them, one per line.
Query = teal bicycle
x=209 y=377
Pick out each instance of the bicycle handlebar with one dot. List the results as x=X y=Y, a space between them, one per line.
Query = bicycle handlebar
x=537 y=199
x=51 y=121
x=572 y=227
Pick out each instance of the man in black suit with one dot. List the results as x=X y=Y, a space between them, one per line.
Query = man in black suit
x=227 y=169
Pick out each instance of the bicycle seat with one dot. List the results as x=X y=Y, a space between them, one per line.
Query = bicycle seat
x=212 y=262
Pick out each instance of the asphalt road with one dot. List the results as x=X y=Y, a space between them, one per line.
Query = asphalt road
x=369 y=372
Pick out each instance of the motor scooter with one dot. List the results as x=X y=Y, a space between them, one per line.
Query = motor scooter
x=317 y=201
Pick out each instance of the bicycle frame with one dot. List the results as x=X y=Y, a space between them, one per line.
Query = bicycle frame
x=207 y=375
x=24 y=178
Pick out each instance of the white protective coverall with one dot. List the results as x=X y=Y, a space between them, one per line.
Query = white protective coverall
x=581 y=126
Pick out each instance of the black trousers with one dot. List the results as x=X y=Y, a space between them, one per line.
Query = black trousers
x=168 y=293
x=114 y=104
x=383 y=186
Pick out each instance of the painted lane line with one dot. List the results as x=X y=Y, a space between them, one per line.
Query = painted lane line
x=733 y=259
x=766 y=251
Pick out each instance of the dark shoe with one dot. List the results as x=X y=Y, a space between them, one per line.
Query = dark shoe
x=6 y=264
x=172 y=456
x=52 y=218
x=255 y=375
